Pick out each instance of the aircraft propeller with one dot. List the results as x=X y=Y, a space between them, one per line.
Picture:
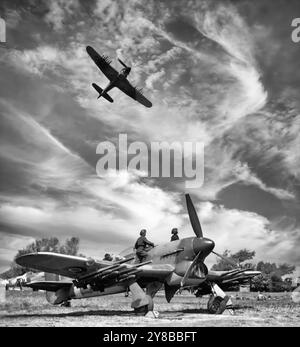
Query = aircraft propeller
x=204 y=245
x=202 y=268
x=193 y=216
x=121 y=62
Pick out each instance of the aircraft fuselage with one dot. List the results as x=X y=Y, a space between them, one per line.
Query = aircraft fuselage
x=114 y=83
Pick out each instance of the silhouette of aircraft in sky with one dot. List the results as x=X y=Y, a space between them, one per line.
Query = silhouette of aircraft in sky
x=116 y=79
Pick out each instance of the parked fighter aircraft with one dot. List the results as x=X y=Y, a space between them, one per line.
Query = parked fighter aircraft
x=16 y=282
x=117 y=79
x=22 y=281
x=175 y=265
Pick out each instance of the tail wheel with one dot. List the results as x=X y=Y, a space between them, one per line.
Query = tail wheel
x=143 y=310
x=214 y=304
x=66 y=304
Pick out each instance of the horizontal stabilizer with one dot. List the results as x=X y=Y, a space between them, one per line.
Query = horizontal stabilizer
x=100 y=90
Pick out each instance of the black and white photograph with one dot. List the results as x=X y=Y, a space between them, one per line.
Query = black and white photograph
x=150 y=166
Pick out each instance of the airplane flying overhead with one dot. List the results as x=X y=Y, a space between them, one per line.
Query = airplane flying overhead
x=117 y=79
x=174 y=265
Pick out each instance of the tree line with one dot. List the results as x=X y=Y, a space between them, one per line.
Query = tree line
x=270 y=279
x=52 y=244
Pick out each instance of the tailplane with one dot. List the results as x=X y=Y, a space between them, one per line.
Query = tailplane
x=100 y=90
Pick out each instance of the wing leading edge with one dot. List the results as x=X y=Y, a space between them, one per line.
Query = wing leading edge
x=233 y=276
x=60 y=264
x=87 y=271
x=134 y=93
x=103 y=63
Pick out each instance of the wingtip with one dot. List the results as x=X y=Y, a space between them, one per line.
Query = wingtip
x=89 y=49
x=20 y=260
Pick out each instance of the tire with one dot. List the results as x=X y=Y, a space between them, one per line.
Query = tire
x=214 y=304
x=66 y=304
x=141 y=311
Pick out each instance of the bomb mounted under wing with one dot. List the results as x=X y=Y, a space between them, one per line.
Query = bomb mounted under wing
x=116 y=79
x=174 y=265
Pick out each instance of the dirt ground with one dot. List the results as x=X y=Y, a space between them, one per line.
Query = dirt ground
x=29 y=308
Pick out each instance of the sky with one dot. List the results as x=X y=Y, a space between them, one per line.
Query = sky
x=225 y=73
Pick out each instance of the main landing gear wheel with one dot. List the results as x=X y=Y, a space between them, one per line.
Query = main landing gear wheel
x=217 y=304
x=142 y=302
x=143 y=310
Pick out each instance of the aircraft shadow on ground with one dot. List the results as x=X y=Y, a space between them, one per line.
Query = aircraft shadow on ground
x=111 y=313
x=72 y=314
x=202 y=310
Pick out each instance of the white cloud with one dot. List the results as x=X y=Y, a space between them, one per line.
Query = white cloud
x=59 y=10
x=234 y=230
x=111 y=212
x=173 y=117
x=10 y=243
x=153 y=78
x=243 y=173
x=206 y=92
x=51 y=164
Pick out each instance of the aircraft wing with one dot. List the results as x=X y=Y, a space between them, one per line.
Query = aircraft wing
x=87 y=271
x=103 y=63
x=60 y=264
x=233 y=276
x=134 y=93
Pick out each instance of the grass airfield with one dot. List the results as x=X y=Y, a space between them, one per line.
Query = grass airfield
x=28 y=308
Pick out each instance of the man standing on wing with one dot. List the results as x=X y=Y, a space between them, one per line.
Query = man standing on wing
x=174 y=236
x=141 y=245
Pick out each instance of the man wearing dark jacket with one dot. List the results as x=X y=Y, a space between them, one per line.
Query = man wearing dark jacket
x=141 y=245
x=174 y=236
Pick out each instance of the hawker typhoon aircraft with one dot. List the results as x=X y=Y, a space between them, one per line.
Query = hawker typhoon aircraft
x=174 y=265
x=117 y=79
x=16 y=282
x=22 y=281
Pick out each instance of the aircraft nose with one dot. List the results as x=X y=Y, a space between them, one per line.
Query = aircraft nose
x=204 y=245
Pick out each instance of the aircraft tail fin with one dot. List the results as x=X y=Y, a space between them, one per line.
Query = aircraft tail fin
x=100 y=90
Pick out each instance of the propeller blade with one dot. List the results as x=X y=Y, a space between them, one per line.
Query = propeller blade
x=193 y=216
x=229 y=261
x=122 y=63
x=188 y=271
